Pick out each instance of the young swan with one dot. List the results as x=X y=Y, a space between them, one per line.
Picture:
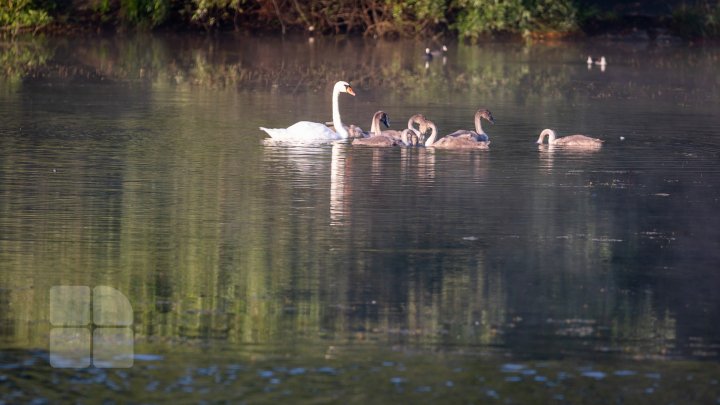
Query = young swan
x=354 y=131
x=357 y=132
x=415 y=119
x=377 y=138
x=453 y=142
x=571 y=141
x=411 y=137
x=478 y=134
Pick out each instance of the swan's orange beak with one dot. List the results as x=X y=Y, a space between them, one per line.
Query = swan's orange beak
x=350 y=90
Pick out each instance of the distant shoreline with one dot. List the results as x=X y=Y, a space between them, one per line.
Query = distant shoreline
x=654 y=31
x=539 y=20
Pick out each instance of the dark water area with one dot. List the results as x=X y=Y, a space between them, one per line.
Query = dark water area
x=265 y=272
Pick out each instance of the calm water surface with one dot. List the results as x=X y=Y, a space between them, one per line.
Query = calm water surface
x=262 y=272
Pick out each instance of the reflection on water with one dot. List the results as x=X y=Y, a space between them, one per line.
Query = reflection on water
x=125 y=164
x=338 y=193
x=389 y=375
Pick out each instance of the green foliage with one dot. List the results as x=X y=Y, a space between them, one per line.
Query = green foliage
x=102 y=6
x=16 y=15
x=691 y=22
x=687 y=22
x=17 y=58
x=210 y=13
x=102 y=10
x=406 y=17
x=480 y=17
x=712 y=22
x=144 y=12
x=470 y=19
x=554 y=15
x=434 y=9
x=419 y=10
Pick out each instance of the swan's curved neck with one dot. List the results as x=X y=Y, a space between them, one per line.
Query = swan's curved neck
x=412 y=121
x=551 y=136
x=478 y=124
x=431 y=139
x=374 y=125
x=420 y=120
x=404 y=136
x=337 y=122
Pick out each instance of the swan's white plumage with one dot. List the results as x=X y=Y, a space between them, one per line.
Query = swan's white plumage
x=303 y=131
x=306 y=131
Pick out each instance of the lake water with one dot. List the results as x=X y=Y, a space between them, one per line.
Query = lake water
x=262 y=272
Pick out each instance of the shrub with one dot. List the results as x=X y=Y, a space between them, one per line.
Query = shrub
x=17 y=15
x=144 y=13
x=480 y=17
x=210 y=13
x=688 y=22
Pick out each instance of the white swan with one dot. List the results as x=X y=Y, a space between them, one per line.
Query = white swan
x=571 y=141
x=306 y=131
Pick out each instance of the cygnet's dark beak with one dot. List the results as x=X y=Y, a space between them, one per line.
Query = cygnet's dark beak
x=385 y=120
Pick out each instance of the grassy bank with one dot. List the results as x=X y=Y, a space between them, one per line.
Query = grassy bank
x=465 y=19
